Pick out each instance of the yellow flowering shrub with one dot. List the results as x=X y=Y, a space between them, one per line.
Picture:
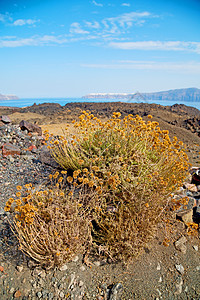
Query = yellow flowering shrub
x=133 y=167
x=117 y=179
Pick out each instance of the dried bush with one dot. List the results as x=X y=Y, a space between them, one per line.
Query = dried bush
x=51 y=225
x=135 y=166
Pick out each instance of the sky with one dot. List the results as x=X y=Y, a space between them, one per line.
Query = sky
x=63 y=48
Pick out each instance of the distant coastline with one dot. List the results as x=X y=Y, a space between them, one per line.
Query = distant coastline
x=8 y=97
x=188 y=95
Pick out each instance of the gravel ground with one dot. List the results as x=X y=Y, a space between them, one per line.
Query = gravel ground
x=159 y=273
x=20 y=169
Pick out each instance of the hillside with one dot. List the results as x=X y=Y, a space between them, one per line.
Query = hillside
x=189 y=94
x=8 y=97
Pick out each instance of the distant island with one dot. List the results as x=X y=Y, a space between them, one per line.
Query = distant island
x=8 y=97
x=189 y=94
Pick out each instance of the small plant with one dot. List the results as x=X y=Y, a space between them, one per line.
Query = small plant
x=51 y=225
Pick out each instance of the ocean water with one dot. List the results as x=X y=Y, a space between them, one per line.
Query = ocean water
x=62 y=101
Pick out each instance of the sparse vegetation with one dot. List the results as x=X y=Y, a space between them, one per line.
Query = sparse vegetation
x=120 y=174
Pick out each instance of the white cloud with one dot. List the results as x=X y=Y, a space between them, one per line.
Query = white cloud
x=76 y=28
x=105 y=24
x=158 y=45
x=94 y=25
x=32 y=41
x=192 y=67
x=4 y=18
x=113 y=25
x=140 y=23
x=128 y=19
x=97 y=4
x=21 y=22
x=126 y=4
x=50 y=40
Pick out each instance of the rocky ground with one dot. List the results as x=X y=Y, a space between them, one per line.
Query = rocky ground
x=168 y=270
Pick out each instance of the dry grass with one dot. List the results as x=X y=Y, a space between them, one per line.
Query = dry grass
x=58 y=128
x=17 y=116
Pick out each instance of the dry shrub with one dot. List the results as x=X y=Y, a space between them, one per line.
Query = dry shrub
x=120 y=175
x=136 y=166
x=51 y=225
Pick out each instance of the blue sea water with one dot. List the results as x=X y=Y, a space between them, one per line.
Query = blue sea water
x=62 y=101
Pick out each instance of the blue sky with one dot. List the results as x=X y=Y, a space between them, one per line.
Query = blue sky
x=62 y=48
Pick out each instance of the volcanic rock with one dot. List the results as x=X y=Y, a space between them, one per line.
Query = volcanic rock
x=10 y=149
x=46 y=158
x=24 y=125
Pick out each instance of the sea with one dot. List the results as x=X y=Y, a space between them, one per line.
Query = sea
x=23 y=102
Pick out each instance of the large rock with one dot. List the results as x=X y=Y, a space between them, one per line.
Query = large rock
x=190 y=187
x=24 y=125
x=46 y=158
x=10 y=149
x=5 y=119
x=185 y=216
x=180 y=244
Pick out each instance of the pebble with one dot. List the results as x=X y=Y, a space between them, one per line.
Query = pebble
x=180 y=269
x=42 y=274
x=63 y=268
x=196 y=248
x=158 y=267
x=159 y=292
x=179 y=286
x=39 y=295
x=62 y=295
x=81 y=283
x=12 y=290
x=72 y=280
x=50 y=296
x=19 y=268
x=17 y=294
x=97 y=263
x=82 y=268
x=75 y=259
x=44 y=293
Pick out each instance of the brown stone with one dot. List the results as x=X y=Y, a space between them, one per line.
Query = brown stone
x=17 y=294
x=180 y=244
x=30 y=148
x=10 y=149
x=24 y=125
x=191 y=187
x=185 y=216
